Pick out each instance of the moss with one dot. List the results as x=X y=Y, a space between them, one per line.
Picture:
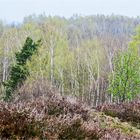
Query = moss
x=113 y=122
x=110 y=113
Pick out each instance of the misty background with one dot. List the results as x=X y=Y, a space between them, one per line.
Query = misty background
x=16 y=10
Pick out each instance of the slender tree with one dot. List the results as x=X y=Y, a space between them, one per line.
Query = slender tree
x=124 y=81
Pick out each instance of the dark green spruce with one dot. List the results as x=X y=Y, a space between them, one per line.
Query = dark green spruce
x=19 y=71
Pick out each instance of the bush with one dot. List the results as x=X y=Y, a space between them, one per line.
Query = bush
x=124 y=111
x=54 y=118
x=17 y=122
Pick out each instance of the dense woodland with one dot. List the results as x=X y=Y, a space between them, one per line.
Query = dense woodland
x=82 y=67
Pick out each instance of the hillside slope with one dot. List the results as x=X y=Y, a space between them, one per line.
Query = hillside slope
x=56 y=117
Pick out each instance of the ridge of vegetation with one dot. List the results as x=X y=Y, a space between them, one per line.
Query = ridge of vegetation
x=57 y=118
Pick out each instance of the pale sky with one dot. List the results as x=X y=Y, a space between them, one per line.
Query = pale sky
x=16 y=10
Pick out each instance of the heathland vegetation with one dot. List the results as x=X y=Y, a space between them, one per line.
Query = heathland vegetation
x=76 y=78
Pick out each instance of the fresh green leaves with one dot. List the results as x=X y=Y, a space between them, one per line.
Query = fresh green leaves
x=124 y=81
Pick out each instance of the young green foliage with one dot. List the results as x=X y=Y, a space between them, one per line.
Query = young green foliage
x=19 y=71
x=124 y=81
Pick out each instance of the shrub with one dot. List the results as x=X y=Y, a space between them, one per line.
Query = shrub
x=125 y=111
x=55 y=118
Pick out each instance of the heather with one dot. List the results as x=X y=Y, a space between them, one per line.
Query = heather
x=75 y=79
x=56 y=117
x=129 y=112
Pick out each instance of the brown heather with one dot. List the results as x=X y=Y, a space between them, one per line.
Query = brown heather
x=56 y=118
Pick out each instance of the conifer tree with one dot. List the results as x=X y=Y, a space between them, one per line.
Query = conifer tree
x=19 y=71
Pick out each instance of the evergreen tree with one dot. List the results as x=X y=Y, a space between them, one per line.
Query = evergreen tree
x=19 y=71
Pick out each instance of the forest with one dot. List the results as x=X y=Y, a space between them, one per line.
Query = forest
x=72 y=78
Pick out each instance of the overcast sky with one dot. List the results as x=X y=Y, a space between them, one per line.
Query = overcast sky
x=15 y=10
